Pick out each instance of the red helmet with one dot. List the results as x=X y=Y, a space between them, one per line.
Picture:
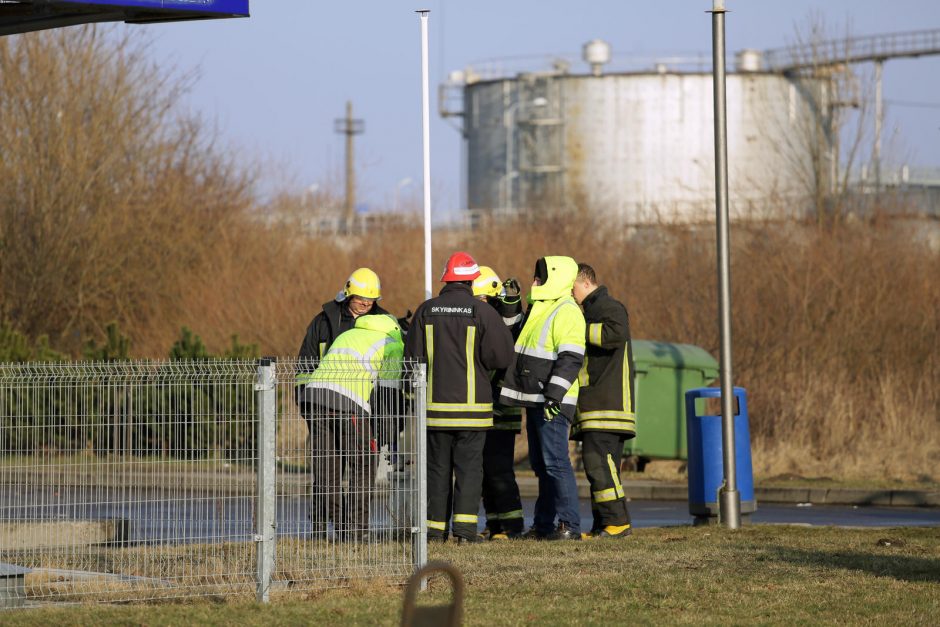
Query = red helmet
x=460 y=267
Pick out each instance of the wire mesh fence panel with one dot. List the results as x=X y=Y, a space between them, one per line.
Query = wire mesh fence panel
x=148 y=480
x=347 y=486
x=127 y=481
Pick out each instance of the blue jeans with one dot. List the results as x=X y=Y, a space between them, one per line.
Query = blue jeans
x=548 y=454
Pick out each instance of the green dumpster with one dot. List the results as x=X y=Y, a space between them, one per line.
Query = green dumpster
x=663 y=374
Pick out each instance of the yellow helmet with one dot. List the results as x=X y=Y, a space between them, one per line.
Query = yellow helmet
x=362 y=282
x=488 y=283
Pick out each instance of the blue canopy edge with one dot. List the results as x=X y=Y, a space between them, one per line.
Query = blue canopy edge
x=22 y=16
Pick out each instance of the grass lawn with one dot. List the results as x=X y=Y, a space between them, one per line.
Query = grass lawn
x=682 y=575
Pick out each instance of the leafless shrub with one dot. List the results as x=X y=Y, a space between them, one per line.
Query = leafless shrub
x=108 y=197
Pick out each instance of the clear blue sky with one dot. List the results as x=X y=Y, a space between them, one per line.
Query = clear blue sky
x=273 y=84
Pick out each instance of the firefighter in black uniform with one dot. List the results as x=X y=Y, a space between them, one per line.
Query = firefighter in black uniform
x=461 y=340
x=501 y=500
x=606 y=414
x=359 y=297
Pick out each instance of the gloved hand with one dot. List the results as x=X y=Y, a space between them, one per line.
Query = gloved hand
x=405 y=322
x=511 y=291
x=552 y=409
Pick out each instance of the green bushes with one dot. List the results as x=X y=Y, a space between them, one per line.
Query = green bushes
x=16 y=347
x=196 y=405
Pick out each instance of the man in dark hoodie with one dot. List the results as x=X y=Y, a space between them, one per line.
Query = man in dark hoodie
x=461 y=340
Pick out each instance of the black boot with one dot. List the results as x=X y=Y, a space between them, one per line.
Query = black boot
x=563 y=532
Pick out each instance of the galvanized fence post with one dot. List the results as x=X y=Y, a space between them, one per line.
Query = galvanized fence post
x=420 y=527
x=265 y=537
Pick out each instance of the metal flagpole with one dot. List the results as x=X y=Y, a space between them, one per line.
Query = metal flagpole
x=426 y=122
x=730 y=499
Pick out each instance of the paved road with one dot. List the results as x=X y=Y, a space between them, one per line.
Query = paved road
x=671 y=513
x=178 y=516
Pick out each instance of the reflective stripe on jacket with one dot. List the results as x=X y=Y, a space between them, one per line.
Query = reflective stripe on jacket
x=368 y=354
x=507 y=418
x=550 y=349
x=461 y=339
x=606 y=402
x=327 y=325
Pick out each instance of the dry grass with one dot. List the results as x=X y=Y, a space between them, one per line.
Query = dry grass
x=206 y=570
x=757 y=575
x=835 y=329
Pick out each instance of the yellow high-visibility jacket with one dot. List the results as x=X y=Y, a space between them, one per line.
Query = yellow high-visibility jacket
x=550 y=349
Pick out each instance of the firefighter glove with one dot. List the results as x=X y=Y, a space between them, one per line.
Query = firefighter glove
x=405 y=321
x=511 y=291
x=552 y=409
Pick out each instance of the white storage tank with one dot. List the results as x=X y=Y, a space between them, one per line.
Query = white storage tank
x=639 y=146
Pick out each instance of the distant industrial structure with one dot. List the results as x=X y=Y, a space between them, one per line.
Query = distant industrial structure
x=635 y=142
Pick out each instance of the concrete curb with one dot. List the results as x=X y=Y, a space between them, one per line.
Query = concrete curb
x=659 y=491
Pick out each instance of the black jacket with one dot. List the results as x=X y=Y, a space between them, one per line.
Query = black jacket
x=462 y=340
x=326 y=327
x=606 y=401
x=506 y=418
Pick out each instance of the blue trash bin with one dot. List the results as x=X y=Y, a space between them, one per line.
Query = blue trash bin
x=706 y=467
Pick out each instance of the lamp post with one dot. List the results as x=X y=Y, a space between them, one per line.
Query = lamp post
x=729 y=504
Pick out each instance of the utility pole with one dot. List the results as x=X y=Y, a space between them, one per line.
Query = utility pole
x=349 y=126
x=729 y=503
x=879 y=122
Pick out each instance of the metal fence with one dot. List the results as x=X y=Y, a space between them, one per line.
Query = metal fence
x=147 y=480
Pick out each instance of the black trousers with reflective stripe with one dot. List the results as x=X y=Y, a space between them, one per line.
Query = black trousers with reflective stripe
x=600 y=451
x=455 y=459
x=500 y=490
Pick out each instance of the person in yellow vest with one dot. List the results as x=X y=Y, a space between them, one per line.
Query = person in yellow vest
x=544 y=379
x=501 y=500
x=461 y=340
x=360 y=296
x=606 y=416
x=357 y=379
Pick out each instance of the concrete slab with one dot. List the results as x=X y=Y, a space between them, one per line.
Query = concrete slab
x=12 y=585
x=662 y=491
x=857 y=496
x=638 y=492
x=782 y=495
x=669 y=492
x=915 y=498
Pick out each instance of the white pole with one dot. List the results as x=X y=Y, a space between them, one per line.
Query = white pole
x=426 y=120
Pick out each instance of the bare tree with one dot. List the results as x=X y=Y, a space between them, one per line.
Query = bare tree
x=831 y=102
x=109 y=194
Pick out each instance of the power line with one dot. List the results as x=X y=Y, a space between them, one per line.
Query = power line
x=911 y=103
